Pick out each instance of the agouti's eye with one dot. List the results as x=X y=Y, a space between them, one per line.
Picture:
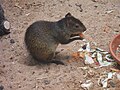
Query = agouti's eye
x=76 y=26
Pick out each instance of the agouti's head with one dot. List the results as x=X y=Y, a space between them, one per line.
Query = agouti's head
x=74 y=25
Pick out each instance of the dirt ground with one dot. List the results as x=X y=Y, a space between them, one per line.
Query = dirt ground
x=18 y=71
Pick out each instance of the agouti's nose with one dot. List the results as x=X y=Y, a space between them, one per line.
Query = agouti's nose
x=84 y=29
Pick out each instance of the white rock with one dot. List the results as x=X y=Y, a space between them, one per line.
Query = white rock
x=87 y=85
x=88 y=59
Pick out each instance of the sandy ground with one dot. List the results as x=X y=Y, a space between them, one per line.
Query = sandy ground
x=18 y=71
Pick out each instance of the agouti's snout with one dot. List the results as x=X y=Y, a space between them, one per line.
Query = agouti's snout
x=84 y=29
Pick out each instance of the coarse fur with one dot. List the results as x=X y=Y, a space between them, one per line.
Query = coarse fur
x=43 y=37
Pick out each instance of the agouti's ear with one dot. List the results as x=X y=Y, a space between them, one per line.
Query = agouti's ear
x=68 y=15
x=68 y=22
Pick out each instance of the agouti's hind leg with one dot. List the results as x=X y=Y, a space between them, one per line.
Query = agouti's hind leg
x=57 y=62
x=51 y=59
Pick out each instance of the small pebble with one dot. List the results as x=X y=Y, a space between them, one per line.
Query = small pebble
x=24 y=79
x=118 y=16
x=84 y=47
x=62 y=49
x=13 y=62
x=46 y=82
x=33 y=72
x=116 y=31
x=11 y=57
x=95 y=6
x=19 y=86
x=19 y=71
x=10 y=86
x=94 y=0
x=3 y=66
x=12 y=41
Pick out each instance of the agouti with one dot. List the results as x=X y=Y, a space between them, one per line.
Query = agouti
x=4 y=24
x=43 y=37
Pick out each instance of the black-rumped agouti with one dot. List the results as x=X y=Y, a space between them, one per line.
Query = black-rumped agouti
x=43 y=37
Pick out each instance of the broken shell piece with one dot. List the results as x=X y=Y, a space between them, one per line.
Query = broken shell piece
x=87 y=85
x=88 y=59
x=99 y=57
x=109 y=11
x=90 y=73
x=100 y=60
x=88 y=47
x=27 y=14
x=83 y=68
x=104 y=81
x=104 y=52
x=95 y=43
x=110 y=74
x=92 y=50
x=84 y=40
x=105 y=63
x=100 y=79
x=99 y=49
x=94 y=55
x=109 y=58
x=118 y=76
x=17 y=5
x=80 y=50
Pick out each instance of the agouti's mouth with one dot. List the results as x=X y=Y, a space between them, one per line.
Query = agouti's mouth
x=77 y=35
x=73 y=35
